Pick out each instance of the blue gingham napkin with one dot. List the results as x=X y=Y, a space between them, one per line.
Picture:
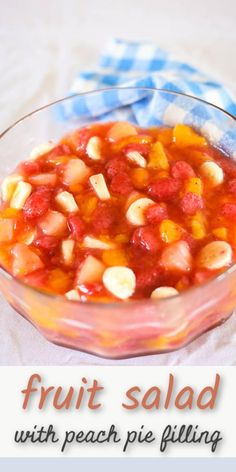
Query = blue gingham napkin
x=137 y=64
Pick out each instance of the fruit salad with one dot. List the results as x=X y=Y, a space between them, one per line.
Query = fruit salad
x=114 y=212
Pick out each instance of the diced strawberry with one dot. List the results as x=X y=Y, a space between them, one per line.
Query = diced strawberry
x=164 y=189
x=122 y=183
x=191 y=203
x=177 y=257
x=115 y=166
x=145 y=238
x=232 y=186
x=24 y=260
x=38 y=203
x=103 y=218
x=156 y=213
x=228 y=210
x=191 y=241
x=202 y=276
x=60 y=150
x=49 y=243
x=76 y=226
x=138 y=147
x=29 y=168
x=182 y=170
x=228 y=165
x=37 y=278
x=148 y=278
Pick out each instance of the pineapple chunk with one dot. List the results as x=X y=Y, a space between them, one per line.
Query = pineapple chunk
x=100 y=187
x=6 y=230
x=20 y=195
x=194 y=185
x=91 y=271
x=67 y=248
x=170 y=231
x=53 y=224
x=75 y=172
x=9 y=185
x=94 y=148
x=67 y=202
x=137 y=158
x=221 y=233
x=25 y=260
x=41 y=150
x=157 y=157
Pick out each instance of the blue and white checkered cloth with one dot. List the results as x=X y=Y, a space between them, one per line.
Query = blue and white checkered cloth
x=134 y=64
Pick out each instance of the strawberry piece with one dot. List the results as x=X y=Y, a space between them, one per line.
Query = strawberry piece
x=191 y=203
x=28 y=168
x=164 y=189
x=177 y=257
x=156 y=213
x=182 y=170
x=193 y=243
x=76 y=226
x=138 y=147
x=232 y=186
x=148 y=278
x=227 y=165
x=228 y=210
x=121 y=183
x=103 y=218
x=115 y=166
x=37 y=204
x=24 y=260
x=49 y=243
x=37 y=278
x=146 y=239
x=60 y=150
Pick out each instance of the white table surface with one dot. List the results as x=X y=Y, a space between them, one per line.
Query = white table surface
x=43 y=45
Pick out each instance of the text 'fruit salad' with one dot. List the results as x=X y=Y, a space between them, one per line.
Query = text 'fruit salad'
x=115 y=212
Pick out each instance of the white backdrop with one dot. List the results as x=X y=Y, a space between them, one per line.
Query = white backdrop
x=43 y=45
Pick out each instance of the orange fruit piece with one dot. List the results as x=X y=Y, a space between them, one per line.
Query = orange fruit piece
x=157 y=157
x=115 y=257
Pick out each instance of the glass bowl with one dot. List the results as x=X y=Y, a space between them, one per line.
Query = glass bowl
x=125 y=329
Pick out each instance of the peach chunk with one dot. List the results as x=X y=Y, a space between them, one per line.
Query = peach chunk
x=185 y=136
x=177 y=257
x=91 y=271
x=25 y=260
x=6 y=230
x=121 y=130
x=53 y=223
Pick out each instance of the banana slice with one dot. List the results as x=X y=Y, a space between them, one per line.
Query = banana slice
x=94 y=148
x=67 y=202
x=73 y=295
x=95 y=243
x=91 y=271
x=212 y=173
x=137 y=158
x=215 y=255
x=120 y=281
x=136 y=211
x=67 y=249
x=20 y=195
x=41 y=149
x=164 y=292
x=9 y=185
x=100 y=187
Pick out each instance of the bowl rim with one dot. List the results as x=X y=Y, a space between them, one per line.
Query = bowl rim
x=130 y=303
